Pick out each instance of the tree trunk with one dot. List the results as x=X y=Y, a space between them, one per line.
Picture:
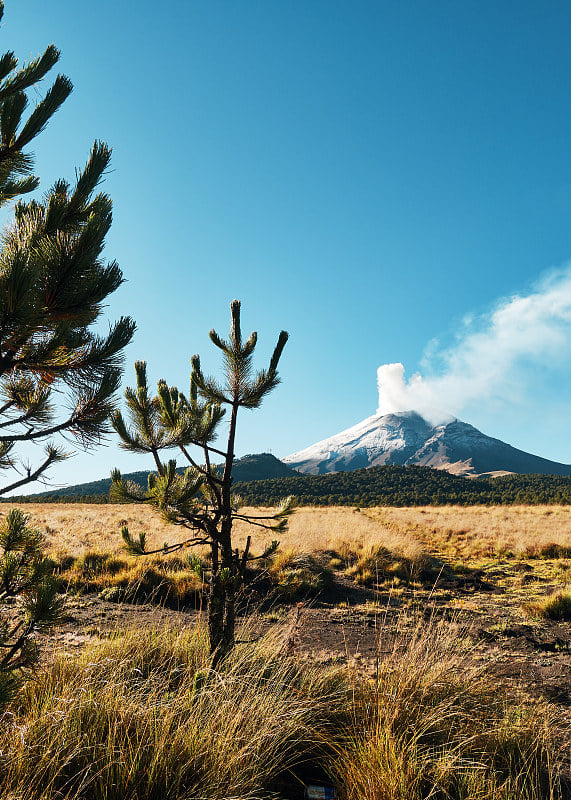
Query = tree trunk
x=221 y=617
x=216 y=603
x=222 y=600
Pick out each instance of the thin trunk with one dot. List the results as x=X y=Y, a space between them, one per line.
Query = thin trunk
x=216 y=603
x=222 y=595
x=227 y=477
x=221 y=616
x=222 y=600
x=225 y=569
x=230 y=616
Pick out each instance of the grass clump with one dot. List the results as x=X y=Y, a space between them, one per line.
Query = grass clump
x=369 y=563
x=550 y=550
x=556 y=607
x=290 y=574
x=297 y=576
x=144 y=715
x=161 y=579
x=432 y=725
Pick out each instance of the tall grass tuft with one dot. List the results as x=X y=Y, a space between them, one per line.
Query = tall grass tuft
x=161 y=579
x=433 y=725
x=295 y=576
x=557 y=606
x=144 y=716
x=369 y=563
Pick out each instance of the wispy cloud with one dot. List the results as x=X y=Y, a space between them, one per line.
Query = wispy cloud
x=494 y=357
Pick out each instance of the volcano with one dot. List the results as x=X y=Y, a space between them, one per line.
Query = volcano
x=406 y=438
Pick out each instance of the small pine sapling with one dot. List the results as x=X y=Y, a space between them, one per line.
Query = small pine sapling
x=26 y=580
x=201 y=499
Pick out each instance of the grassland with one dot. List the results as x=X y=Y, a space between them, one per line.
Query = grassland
x=143 y=716
x=395 y=653
x=465 y=531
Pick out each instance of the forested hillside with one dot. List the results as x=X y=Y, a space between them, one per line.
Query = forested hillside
x=407 y=486
x=389 y=485
x=248 y=468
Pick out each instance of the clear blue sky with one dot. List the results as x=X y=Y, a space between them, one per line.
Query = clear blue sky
x=363 y=174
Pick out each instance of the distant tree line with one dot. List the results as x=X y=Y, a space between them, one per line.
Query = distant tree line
x=388 y=486
x=96 y=499
x=408 y=486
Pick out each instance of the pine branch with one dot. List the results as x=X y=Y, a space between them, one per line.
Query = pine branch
x=45 y=109
x=282 y=339
x=8 y=61
x=54 y=455
x=29 y=74
x=206 y=472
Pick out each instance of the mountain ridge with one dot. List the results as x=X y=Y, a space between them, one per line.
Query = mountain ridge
x=251 y=467
x=405 y=438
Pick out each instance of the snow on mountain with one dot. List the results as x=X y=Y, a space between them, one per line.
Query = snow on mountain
x=406 y=438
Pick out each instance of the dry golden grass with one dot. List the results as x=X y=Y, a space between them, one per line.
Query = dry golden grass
x=144 y=715
x=126 y=577
x=456 y=532
x=317 y=529
x=480 y=531
x=556 y=606
x=435 y=726
x=75 y=528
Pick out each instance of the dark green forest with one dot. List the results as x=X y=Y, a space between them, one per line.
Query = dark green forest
x=408 y=486
x=252 y=467
x=390 y=486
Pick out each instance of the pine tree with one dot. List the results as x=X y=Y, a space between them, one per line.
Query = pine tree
x=52 y=287
x=25 y=574
x=16 y=133
x=57 y=376
x=201 y=499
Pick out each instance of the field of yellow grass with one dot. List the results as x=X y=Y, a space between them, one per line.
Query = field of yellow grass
x=457 y=532
x=480 y=531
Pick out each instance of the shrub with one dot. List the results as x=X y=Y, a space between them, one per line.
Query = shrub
x=25 y=576
x=556 y=606
x=296 y=576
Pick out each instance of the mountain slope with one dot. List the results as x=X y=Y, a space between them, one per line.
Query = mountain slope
x=408 y=486
x=405 y=438
x=261 y=466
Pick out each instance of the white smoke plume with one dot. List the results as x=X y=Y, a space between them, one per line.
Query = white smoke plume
x=492 y=358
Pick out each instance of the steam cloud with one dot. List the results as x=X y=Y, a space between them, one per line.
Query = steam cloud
x=491 y=357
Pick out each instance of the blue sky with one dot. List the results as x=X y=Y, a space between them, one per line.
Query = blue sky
x=378 y=178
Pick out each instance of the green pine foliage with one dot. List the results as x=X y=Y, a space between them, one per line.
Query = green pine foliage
x=26 y=581
x=202 y=498
x=57 y=375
